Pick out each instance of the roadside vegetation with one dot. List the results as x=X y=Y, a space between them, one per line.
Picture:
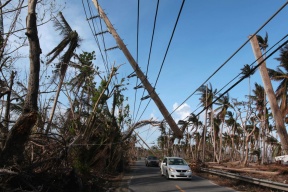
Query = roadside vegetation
x=86 y=143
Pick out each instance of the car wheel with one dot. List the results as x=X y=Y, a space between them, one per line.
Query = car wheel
x=167 y=175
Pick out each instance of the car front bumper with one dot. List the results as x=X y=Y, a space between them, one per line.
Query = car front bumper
x=180 y=175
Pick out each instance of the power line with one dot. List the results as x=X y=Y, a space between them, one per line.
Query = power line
x=95 y=35
x=104 y=61
x=169 y=42
x=241 y=73
x=244 y=77
x=144 y=109
x=151 y=44
x=231 y=56
x=140 y=74
x=103 y=40
x=137 y=49
x=172 y=35
x=252 y=63
x=93 y=30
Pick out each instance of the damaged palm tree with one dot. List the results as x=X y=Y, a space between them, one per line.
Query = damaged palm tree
x=71 y=39
x=20 y=132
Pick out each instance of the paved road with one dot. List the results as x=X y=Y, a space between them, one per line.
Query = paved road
x=149 y=179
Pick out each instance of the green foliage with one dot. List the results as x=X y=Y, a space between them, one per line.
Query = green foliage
x=246 y=71
x=98 y=91
x=86 y=58
x=81 y=167
x=263 y=42
x=71 y=130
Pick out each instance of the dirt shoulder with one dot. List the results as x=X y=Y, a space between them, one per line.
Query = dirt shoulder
x=271 y=172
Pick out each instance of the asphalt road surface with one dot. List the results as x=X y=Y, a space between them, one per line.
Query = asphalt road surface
x=149 y=179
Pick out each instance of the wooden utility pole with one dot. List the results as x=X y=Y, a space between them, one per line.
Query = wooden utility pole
x=279 y=121
x=145 y=144
x=139 y=73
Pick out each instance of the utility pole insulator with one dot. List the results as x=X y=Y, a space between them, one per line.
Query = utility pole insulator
x=100 y=33
x=131 y=75
x=109 y=49
x=138 y=86
x=93 y=17
x=146 y=97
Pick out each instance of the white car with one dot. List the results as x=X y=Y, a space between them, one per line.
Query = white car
x=175 y=168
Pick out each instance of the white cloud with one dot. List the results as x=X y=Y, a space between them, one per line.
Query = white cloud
x=182 y=112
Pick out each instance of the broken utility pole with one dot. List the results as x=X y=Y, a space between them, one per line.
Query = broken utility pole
x=139 y=73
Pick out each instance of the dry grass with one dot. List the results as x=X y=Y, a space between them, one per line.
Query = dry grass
x=277 y=173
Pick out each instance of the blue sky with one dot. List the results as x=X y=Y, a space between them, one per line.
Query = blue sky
x=207 y=34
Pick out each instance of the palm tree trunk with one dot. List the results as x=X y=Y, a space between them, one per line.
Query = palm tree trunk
x=55 y=104
x=232 y=149
x=263 y=159
x=204 y=132
x=220 y=143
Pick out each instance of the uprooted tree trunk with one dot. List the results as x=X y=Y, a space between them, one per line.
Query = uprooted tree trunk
x=20 y=132
x=138 y=125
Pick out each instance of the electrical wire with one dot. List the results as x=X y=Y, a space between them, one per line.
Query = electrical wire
x=167 y=49
x=103 y=40
x=137 y=49
x=153 y=32
x=241 y=73
x=231 y=56
x=149 y=56
x=252 y=64
x=93 y=30
x=104 y=61
x=144 y=110
x=152 y=133
x=180 y=11
x=244 y=77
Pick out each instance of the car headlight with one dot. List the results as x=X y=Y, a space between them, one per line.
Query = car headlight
x=188 y=170
x=172 y=170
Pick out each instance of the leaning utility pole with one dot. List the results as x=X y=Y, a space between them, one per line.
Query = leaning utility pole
x=151 y=150
x=139 y=73
x=279 y=121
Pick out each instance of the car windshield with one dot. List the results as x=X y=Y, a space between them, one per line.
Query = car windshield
x=177 y=162
x=152 y=158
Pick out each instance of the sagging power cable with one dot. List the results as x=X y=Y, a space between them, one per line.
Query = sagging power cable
x=149 y=56
x=244 y=77
x=167 y=49
x=282 y=7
